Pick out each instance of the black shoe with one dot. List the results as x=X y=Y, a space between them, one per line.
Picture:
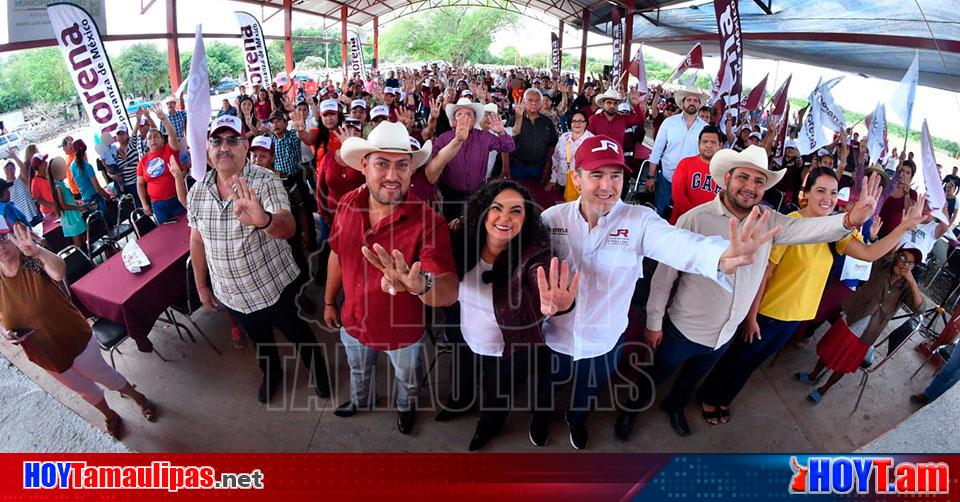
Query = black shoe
x=578 y=435
x=539 y=431
x=451 y=411
x=624 y=426
x=268 y=388
x=679 y=423
x=482 y=436
x=406 y=420
x=347 y=409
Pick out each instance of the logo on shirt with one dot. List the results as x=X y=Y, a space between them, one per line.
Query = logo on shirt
x=559 y=231
x=621 y=232
x=704 y=182
x=620 y=237
x=155 y=167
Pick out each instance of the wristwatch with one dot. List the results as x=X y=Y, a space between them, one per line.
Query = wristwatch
x=427 y=284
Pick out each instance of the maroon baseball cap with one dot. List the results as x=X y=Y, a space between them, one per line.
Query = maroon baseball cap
x=600 y=151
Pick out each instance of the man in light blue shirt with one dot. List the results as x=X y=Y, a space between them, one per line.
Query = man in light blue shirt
x=677 y=138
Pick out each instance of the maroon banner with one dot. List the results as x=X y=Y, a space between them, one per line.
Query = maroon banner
x=756 y=95
x=617 y=33
x=731 y=53
x=779 y=99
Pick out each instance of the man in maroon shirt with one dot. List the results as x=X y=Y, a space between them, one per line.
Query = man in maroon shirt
x=612 y=124
x=376 y=232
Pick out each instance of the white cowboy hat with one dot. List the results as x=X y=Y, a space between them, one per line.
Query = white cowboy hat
x=680 y=94
x=477 y=108
x=754 y=157
x=607 y=94
x=389 y=137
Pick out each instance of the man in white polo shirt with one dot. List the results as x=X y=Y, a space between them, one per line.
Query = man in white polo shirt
x=605 y=240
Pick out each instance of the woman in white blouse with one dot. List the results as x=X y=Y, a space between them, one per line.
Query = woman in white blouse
x=563 y=156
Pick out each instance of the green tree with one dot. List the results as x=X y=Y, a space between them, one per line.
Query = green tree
x=140 y=68
x=223 y=61
x=35 y=75
x=455 y=34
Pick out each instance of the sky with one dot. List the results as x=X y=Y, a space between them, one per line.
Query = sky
x=941 y=108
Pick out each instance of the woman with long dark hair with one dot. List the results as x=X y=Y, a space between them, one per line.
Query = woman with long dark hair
x=248 y=118
x=503 y=257
x=263 y=106
x=64 y=205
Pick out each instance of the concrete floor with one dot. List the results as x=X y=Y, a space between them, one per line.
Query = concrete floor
x=207 y=403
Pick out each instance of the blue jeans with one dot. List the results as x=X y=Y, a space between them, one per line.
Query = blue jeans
x=662 y=193
x=167 y=209
x=407 y=369
x=946 y=378
x=677 y=351
x=590 y=376
x=739 y=362
x=525 y=172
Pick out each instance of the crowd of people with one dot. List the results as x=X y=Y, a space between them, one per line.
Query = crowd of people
x=487 y=206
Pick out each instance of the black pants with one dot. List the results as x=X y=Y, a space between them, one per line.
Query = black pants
x=500 y=376
x=283 y=316
x=463 y=370
x=453 y=202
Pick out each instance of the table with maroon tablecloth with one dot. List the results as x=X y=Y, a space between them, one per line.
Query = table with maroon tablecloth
x=137 y=300
x=53 y=234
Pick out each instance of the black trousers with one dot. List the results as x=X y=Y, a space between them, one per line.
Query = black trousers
x=463 y=370
x=283 y=316
x=501 y=375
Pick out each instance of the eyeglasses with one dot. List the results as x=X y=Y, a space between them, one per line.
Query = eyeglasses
x=906 y=261
x=216 y=141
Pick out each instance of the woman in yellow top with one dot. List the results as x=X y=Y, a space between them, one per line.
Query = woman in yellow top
x=790 y=293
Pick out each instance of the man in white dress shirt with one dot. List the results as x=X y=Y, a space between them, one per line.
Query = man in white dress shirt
x=605 y=240
x=677 y=138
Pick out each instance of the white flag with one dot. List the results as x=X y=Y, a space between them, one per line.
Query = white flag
x=931 y=176
x=901 y=104
x=877 y=134
x=198 y=108
x=831 y=115
x=811 y=135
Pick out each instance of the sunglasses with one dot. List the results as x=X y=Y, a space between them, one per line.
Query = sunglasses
x=217 y=141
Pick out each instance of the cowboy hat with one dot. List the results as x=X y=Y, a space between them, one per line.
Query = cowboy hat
x=680 y=94
x=754 y=157
x=477 y=108
x=389 y=137
x=607 y=94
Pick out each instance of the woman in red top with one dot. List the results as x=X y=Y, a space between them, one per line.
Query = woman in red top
x=335 y=178
x=263 y=106
x=39 y=186
x=155 y=183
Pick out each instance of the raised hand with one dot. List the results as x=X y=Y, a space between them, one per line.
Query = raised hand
x=174 y=167
x=862 y=210
x=341 y=133
x=23 y=239
x=559 y=293
x=397 y=275
x=463 y=127
x=744 y=243
x=246 y=205
x=158 y=111
x=915 y=214
x=435 y=107
x=496 y=123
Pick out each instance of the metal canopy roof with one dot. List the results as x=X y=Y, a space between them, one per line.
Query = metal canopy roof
x=870 y=37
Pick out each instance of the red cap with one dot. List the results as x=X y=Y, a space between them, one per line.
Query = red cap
x=600 y=151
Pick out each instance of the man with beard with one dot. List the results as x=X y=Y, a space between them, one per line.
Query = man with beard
x=606 y=240
x=240 y=219
x=692 y=183
x=613 y=124
x=703 y=317
x=677 y=138
x=378 y=230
